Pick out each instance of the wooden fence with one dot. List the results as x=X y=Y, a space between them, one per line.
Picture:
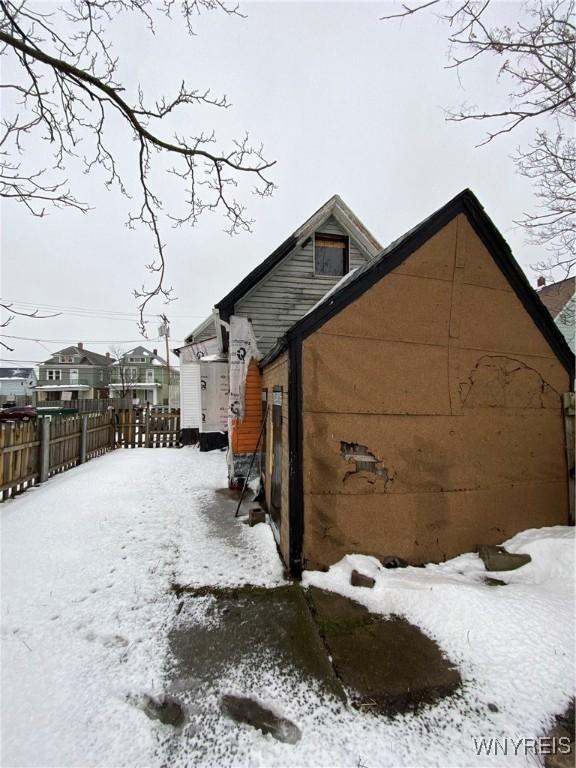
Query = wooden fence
x=19 y=456
x=86 y=405
x=147 y=428
x=32 y=452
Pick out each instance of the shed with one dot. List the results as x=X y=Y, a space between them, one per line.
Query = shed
x=417 y=410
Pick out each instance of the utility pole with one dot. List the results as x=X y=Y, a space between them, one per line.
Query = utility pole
x=164 y=330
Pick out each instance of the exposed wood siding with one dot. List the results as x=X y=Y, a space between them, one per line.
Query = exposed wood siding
x=245 y=433
x=291 y=289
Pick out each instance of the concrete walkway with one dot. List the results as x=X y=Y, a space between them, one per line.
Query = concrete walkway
x=226 y=638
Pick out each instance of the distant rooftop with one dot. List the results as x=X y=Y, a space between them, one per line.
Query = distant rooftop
x=16 y=373
x=556 y=295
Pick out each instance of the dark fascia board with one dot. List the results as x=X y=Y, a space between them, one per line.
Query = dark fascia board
x=295 y=483
x=396 y=253
x=226 y=305
x=336 y=207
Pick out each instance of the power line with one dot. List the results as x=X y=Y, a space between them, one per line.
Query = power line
x=22 y=361
x=113 y=313
x=87 y=341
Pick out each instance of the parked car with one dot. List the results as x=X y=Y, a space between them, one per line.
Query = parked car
x=18 y=413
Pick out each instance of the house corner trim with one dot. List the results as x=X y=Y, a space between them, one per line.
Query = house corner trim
x=296 y=511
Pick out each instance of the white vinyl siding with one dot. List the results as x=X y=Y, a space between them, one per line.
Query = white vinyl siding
x=190 y=406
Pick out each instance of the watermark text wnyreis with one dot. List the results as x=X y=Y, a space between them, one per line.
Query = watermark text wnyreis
x=545 y=745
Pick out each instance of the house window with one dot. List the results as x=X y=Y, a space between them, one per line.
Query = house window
x=330 y=255
x=73 y=375
x=137 y=360
x=54 y=375
x=150 y=375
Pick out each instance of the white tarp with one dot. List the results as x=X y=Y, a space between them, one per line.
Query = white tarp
x=193 y=353
x=214 y=396
x=242 y=348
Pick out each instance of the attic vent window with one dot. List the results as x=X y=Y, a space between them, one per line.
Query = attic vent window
x=330 y=255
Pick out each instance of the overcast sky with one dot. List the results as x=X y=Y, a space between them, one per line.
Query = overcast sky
x=343 y=102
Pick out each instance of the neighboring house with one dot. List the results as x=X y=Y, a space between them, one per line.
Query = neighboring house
x=559 y=299
x=275 y=295
x=17 y=382
x=143 y=375
x=417 y=411
x=73 y=373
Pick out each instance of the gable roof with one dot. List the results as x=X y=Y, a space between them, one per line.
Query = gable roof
x=16 y=373
x=335 y=207
x=204 y=325
x=86 y=357
x=556 y=295
x=399 y=250
x=139 y=351
x=142 y=351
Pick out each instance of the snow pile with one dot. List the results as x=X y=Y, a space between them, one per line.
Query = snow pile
x=513 y=644
x=552 y=553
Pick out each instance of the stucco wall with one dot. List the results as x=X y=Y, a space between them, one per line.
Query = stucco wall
x=438 y=376
x=276 y=374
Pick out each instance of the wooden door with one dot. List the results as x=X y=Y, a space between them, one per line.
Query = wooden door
x=276 y=479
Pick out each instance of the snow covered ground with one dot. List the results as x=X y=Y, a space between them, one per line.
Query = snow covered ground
x=88 y=561
x=513 y=644
x=87 y=564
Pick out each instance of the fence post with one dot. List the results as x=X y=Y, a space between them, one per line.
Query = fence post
x=45 y=450
x=147 y=428
x=83 y=437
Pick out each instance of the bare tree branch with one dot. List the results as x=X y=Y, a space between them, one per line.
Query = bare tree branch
x=9 y=307
x=537 y=59
x=66 y=94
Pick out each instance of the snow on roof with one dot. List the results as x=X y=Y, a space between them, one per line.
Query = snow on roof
x=15 y=373
x=136 y=385
x=72 y=387
x=343 y=280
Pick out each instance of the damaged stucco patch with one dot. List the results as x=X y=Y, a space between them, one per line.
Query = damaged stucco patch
x=364 y=461
x=503 y=382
